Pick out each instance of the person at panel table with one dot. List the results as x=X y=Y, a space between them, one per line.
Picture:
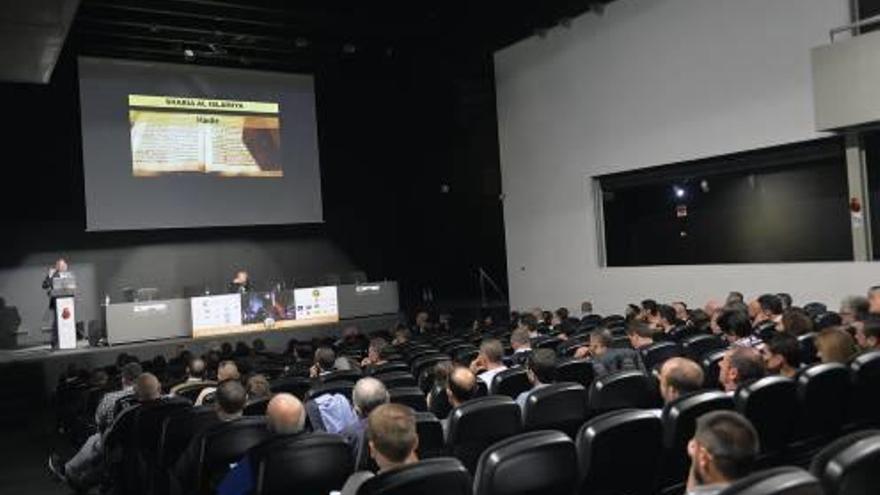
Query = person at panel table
x=241 y=283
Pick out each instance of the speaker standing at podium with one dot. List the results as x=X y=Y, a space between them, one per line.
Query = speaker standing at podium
x=60 y=286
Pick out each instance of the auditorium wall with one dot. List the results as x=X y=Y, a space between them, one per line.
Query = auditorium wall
x=650 y=83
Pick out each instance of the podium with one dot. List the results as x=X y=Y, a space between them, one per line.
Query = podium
x=62 y=294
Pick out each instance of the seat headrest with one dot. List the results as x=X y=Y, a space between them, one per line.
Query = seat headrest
x=777 y=481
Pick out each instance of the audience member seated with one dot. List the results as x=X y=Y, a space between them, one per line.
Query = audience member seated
x=368 y=394
x=521 y=344
x=489 y=362
x=723 y=450
x=392 y=440
x=853 y=309
x=649 y=312
x=325 y=362
x=375 y=355
x=85 y=467
x=736 y=328
x=229 y=402
x=226 y=370
x=739 y=366
x=681 y=311
x=196 y=371
x=605 y=358
x=286 y=416
x=678 y=377
x=460 y=388
x=767 y=307
x=835 y=345
x=422 y=323
x=874 y=300
x=529 y=323
x=640 y=335
x=797 y=322
x=258 y=388
x=540 y=368
x=666 y=318
x=436 y=397
x=782 y=355
x=868 y=335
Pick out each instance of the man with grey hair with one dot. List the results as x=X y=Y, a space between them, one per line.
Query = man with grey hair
x=367 y=395
x=522 y=346
x=285 y=415
x=489 y=362
x=854 y=309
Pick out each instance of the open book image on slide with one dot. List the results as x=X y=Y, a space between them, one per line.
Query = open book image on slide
x=178 y=135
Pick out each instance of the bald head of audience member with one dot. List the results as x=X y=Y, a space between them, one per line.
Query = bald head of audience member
x=461 y=386
x=739 y=366
x=147 y=387
x=678 y=377
x=368 y=394
x=391 y=431
x=285 y=415
x=230 y=399
x=227 y=370
x=196 y=369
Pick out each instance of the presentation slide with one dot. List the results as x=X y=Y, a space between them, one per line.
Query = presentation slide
x=183 y=146
x=256 y=311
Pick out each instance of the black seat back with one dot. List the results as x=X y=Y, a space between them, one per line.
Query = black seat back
x=607 y=463
x=576 y=370
x=295 y=385
x=697 y=346
x=308 y=463
x=865 y=370
x=807 y=343
x=191 y=391
x=179 y=428
x=621 y=390
x=256 y=407
x=711 y=368
x=531 y=463
x=478 y=423
x=389 y=367
x=850 y=465
x=394 y=379
x=440 y=476
x=824 y=393
x=225 y=444
x=342 y=376
x=510 y=382
x=679 y=424
x=148 y=425
x=657 y=353
x=430 y=431
x=341 y=388
x=776 y=481
x=771 y=404
x=558 y=406
x=409 y=396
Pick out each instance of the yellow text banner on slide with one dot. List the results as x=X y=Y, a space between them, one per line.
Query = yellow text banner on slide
x=178 y=102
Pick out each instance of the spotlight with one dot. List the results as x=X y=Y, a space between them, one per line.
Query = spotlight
x=679 y=192
x=704 y=185
x=189 y=55
x=301 y=42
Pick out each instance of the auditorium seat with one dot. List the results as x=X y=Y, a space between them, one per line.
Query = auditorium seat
x=478 y=423
x=827 y=319
x=510 y=382
x=621 y=390
x=546 y=342
x=439 y=403
x=679 y=419
x=441 y=476
x=619 y=452
x=191 y=391
x=711 y=368
x=306 y=463
x=575 y=370
x=342 y=376
x=814 y=309
x=341 y=388
x=430 y=431
x=620 y=342
x=465 y=356
x=558 y=406
x=147 y=428
x=771 y=404
x=389 y=367
x=534 y=463
x=423 y=369
x=850 y=465
x=776 y=481
x=225 y=444
x=865 y=370
x=295 y=385
x=394 y=379
x=655 y=354
x=766 y=330
x=409 y=396
x=423 y=352
x=181 y=426
x=568 y=348
x=256 y=407
x=697 y=346
x=807 y=343
x=824 y=393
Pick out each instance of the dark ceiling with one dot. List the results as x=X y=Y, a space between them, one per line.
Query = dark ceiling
x=290 y=35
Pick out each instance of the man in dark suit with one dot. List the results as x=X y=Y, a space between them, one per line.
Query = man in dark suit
x=241 y=283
